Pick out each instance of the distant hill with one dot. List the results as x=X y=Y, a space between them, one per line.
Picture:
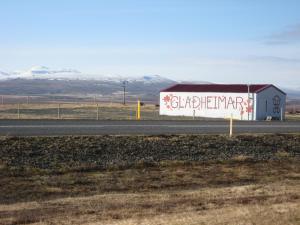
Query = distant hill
x=80 y=87
x=44 y=81
x=41 y=80
x=292 y=93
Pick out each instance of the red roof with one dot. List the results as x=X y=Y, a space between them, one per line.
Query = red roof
x=232 y=88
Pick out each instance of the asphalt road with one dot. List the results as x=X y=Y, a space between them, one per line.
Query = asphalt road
x=89 y=127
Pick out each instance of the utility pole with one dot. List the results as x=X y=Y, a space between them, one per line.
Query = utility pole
x=250 y=103
x=124 y=85
x=97 y=111
x=248 y=85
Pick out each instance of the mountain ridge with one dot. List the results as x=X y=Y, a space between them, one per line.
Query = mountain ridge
x=41 y=80
x=43 y=72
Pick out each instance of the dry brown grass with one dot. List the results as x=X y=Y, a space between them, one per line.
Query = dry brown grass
x=276 y=203
x=77 y=111
x=293 y=117
x=107 y=110
x=175 y=193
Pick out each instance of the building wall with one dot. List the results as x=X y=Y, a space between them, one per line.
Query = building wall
x=207 y=104
x=270 y=102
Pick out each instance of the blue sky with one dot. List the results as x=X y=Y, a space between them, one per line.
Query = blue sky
x=230 y=41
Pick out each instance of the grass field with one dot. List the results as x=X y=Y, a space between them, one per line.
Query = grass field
x=235 y=192
x=106 y=111
x=293 y=117
x=62 y=182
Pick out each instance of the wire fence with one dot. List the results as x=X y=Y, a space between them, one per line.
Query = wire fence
x=91 y=108
x=84 y=111
x=75 y=111
x=74 y=107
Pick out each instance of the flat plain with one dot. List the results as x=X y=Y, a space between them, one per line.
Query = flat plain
x=94 y=111
x=190 y=179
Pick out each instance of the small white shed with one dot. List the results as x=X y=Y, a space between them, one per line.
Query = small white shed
x=242 y=101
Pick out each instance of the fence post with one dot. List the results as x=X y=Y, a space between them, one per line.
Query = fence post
x=2 y=100
x=194 y=114
x=230 y=128
x=58 y=112
x=18 y=110
x=97 y=111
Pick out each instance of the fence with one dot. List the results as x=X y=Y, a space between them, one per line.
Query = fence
x=76 y=111
x=90 y=107
x=88 y=111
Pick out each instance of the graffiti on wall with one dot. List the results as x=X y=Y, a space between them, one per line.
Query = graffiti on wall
x=177 y=102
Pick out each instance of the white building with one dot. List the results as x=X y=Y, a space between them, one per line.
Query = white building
x=243 y=102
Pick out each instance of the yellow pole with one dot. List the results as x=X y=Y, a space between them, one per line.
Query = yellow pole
x=230 y=129
x=138 y=116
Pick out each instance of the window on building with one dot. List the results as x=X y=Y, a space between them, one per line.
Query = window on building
x=266 y=105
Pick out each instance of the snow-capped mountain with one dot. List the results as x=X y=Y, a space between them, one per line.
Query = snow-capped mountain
x=193 y=82
x=292 y=93
x=149 y=79
x=4 y=75
x=41 y=80
x=43 y=72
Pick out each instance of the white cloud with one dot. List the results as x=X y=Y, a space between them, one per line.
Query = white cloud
x=290 y=34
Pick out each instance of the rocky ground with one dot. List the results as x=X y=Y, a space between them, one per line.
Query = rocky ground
x=167 y=180
x=86 y=152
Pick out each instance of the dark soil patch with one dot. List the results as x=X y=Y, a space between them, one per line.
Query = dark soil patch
x=37 y=168
x=104 y=152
